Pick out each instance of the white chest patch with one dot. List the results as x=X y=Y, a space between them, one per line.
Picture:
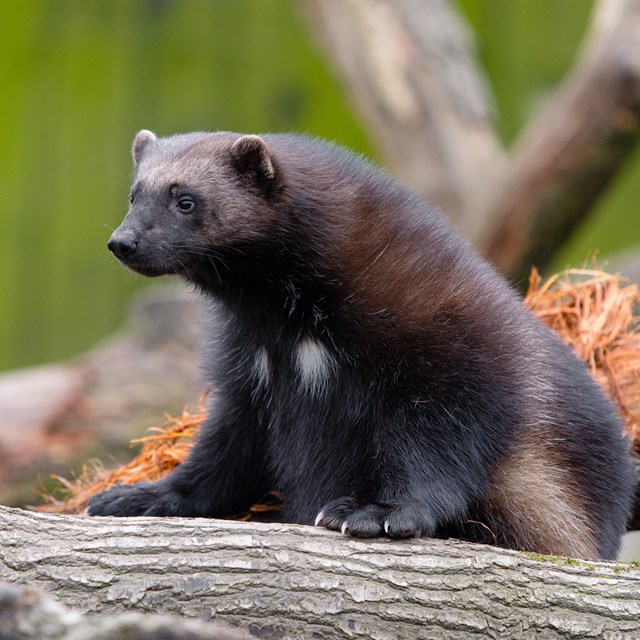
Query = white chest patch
x=315 y=365
x=262 y=368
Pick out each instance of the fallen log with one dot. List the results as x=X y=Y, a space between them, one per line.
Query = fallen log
x=29 y=614
x=286 y=581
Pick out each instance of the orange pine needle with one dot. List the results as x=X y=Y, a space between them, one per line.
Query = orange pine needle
x=591 y=310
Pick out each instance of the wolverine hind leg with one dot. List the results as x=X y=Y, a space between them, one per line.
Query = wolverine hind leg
x=535 y=504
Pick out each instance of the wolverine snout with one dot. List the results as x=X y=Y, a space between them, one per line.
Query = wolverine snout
x=123 y=243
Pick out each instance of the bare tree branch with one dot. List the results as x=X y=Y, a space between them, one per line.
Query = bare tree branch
x=570 y=152
x=286 y=581
x=409 y=68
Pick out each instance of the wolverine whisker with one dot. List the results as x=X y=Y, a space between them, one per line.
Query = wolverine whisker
x=366 y=361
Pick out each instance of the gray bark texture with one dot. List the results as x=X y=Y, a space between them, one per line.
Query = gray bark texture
x=285 y=581
x=56 y=417
x=29 y=614
x=410 y=69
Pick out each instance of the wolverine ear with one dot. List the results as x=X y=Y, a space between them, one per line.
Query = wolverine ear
x=142 y=139
x=251 y=157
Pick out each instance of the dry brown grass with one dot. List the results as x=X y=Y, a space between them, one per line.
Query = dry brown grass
x=163 y=449
x=595 y=313
x=591 y=310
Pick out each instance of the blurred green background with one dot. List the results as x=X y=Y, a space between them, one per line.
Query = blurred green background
x=80 y=77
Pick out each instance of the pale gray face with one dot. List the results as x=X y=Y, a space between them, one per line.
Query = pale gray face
x=193 y=195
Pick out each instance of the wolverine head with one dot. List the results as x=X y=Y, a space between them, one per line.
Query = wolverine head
x=194 y=197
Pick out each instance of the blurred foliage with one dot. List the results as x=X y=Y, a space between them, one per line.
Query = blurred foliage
x=526 y=46
x=79 y=78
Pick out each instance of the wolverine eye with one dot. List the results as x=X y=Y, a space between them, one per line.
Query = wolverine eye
x=186 y=205
x=131 y=197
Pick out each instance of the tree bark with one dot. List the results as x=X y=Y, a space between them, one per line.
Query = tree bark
x=569 y=153
x=285 y=581
x=29 y=614
x=409 y=68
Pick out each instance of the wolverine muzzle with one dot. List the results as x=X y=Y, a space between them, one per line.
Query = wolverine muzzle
x=123 y=244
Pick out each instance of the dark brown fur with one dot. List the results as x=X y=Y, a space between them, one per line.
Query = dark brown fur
x=365 y=360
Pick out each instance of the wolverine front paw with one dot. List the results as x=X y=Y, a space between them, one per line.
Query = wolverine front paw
x=142 y=499
x=374 y=520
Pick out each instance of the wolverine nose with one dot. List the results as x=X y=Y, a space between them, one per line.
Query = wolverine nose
x=122 y=243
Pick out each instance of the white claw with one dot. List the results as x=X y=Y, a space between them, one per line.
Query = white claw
x=345 y=528
x=319 y=517
x=386 y=526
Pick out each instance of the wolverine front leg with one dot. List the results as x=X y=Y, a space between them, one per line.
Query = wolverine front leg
x=406 y=518
x=223 y=475
x=424 y=480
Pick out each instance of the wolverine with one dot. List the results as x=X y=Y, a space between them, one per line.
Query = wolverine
x=364 y=360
